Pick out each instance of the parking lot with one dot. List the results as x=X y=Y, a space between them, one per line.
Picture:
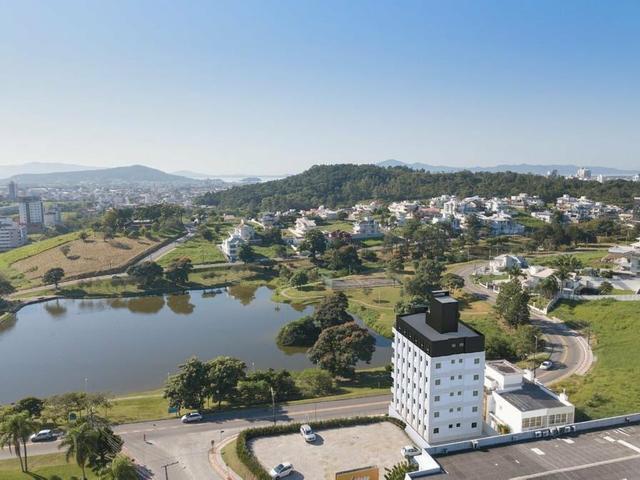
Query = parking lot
x=334 y=450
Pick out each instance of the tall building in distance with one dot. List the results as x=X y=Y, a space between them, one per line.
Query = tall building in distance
x=31 y=214
x=13 y=191
x=438 y=373
x=584 y=173
x=12 y=234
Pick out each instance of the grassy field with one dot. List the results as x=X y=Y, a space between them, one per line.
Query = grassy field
x=94 y=254
x=41 y=467
x=592 y=258
x=199 y=250
x=611 y=387
x=232 y=460
x=145 y=406
x=7 y=259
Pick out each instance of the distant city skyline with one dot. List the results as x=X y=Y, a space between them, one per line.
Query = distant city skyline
x=271 y=88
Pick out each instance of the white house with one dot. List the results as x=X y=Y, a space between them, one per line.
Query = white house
x=12 y=234
x=505 y=262
x=366 y=228
x=326 y=213
x=303 y=225
x=438 y=370
x=501 y=224
x=515 y=401
x=546 y=216
x=244 y=231
x=231 y=247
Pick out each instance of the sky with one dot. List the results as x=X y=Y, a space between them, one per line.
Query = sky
x=273 y=87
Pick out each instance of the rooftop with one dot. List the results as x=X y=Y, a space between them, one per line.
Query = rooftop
x=531 y=397
x=418 y=322
x=503 y=366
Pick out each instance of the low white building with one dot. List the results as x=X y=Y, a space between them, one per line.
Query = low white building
x=366 y=228
x=546 y=216
x=303 y=225
x=326 y=213
x=501 y=224
x=12 y=234
x=517 y=403
x=505 y=262
x=244 y=231
x=631 y=255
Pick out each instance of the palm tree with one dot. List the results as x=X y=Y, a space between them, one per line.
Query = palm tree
x=121 y=468
x=14 y=431
x=549 y=287
x=80 y=443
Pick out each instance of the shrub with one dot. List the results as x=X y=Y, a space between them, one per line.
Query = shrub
x=299 y=333
x=314 y=382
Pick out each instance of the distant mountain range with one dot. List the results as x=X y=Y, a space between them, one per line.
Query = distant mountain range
x=131 y=174
x=7 y=171
x=517 y=168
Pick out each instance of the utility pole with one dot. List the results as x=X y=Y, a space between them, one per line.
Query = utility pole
x=535 y=355
x=273 y=403
x=165 y=467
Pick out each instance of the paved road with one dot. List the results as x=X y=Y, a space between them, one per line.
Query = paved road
x=570 y=352
x=154 y=444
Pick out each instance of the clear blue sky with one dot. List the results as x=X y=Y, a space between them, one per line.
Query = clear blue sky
x=276 y=86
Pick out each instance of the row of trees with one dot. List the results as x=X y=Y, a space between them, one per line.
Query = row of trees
x=149 y=273
x=225 y=379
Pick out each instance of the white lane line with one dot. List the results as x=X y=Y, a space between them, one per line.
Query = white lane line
x=619 y=430
x=577 y=467
x=568 y=440
x=628 y=445
x=537 y=451
x=609 y=439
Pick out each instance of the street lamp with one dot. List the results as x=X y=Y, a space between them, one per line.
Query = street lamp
x=535 y=354
x=273 y=403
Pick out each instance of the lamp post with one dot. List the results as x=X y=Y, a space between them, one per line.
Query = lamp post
x=535 y=354
x=273 y=403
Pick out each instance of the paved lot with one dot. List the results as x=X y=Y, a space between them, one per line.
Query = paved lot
x=605 y=455
x=335 y=450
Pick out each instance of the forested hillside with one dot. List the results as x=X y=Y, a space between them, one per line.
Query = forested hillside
x=344 y=185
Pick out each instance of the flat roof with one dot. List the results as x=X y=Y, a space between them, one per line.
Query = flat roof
x=530 y=397
x=503 y=366
x=419 y=322
x=606 y=455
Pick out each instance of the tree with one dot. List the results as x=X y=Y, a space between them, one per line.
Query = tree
x=452 y=281
x=84 y=236
x=344 y=258
x=339 y=348
x=605 y=288
x=121 y=468
x=31 y=405
x=190 y=386
x=298 y=278
x=399 y=470
x=246 y=253
x=205 y=233
x=299 y=333
x=314 y=243
x=105 y=444
x=5 y=286
x=224 y=375
x=332 y=311
x=427 y=278
x=281 y=381
x=146 y=273
x=15 y=431
x=395 y=265
x=548 y=287
x=53 y=275
x=178 y=271
x=512 y=303
x=80 y=443
x=314 y=382
x=524 y=341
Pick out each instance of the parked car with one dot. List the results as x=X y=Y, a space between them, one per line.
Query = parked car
x=43 y=436
x=546 y=365
x=307 y=433
x=281 y=470
x=410 y=451
x=191 y=417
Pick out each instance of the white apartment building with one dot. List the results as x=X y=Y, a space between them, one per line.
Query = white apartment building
x=31 y=213
x=438 y=374
x=517 y=403
x=53 y=217
x=231 y=247
x=366 y=228
x=12 y=234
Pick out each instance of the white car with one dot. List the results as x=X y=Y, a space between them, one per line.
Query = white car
x=410 y=451
x=281 y=470
x=307 y=433
x=191 y=417
x=43 y=436
x=546 y=365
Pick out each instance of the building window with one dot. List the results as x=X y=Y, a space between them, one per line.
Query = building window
x=451 y=425
x=459 y=360
x=459 y=393
x=475 y=393
x=459 y=377
x=457 y=425
x=438 y=365
x=436 y=398
x=453 y=377
x=451 y=394
x=453 y=362
x=476 y=361
x=437 y=381
x=436 y=414
x=474 y=425
x=436 y=430
x=474 y=409
x=459 y=409
x=451 y=410
x=476 y=377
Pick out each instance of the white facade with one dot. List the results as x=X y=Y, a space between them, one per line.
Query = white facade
x=438 y=395
x=518 y=404
x=505 y=262
x=231 y=247
x=303 y=225
x=53 y=217
x=244 y=231
x=366 y=228
x=12 y=234
x=31 y=213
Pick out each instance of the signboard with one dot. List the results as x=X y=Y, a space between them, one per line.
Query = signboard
x=173 y=410
x=365 y=473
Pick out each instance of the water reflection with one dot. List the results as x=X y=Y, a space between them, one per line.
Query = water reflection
x=244 y=293
x=7 y=324
x=181 y=304
x=146 y=305
x=55 y=308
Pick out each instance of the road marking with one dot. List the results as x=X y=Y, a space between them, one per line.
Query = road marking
x=628 y=445
x=537 y=451
x=609 y=439
x=620 y=430
x=577 y=467
x=568 y=440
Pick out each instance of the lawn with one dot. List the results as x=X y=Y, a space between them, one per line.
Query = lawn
x=199 y=250
x=41 y=466
x=81 y=256
x=611 y=387
x=591 y=258
x=232 y=460
x=7 y=259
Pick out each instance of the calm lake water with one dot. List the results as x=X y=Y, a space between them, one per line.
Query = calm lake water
x=131 y=344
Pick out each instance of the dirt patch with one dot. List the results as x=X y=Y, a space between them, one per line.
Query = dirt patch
x=79 y=256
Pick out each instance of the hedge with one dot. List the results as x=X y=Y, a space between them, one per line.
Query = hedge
x=246 y=456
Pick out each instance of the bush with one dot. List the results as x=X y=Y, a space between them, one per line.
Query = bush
x=299 y=333
x=247 y=457
x=314 y=382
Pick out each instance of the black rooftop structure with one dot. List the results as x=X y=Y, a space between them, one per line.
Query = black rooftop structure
x=438 y=330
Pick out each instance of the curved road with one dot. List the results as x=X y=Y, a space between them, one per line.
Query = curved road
x=570 y=352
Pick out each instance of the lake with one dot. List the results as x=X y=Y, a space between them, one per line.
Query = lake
x=131 y=344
